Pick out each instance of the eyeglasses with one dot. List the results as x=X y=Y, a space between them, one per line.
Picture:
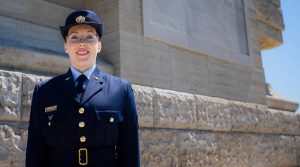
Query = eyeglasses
x=75 y=38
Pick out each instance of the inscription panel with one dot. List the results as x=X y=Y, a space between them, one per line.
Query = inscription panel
x=214 y=27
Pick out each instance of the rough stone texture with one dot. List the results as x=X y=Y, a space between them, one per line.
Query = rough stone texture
x=158 y=148
x=144 y=104
x=174 y=109
x=297 y=143
x=10 y=95
x=213 y=113
x=13 y=139
x=197 y=148
x=28 y=84
x=181 y=129
x=165 y=108
x=225 y=115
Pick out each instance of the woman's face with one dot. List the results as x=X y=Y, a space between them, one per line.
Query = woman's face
x=82 y=45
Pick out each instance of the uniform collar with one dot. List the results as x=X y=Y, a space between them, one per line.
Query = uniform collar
x=87 y=73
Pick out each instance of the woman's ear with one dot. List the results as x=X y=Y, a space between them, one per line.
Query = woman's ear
x=99 y=47
x=65 y=47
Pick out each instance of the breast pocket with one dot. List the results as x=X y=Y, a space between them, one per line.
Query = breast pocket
x=50 y=122
x=109 y=120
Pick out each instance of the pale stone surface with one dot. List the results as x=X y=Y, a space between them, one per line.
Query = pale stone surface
x=158 y=148
x=189 y=73
x=226 y=115
x=240 y=149
x=74 y=4
x=35 y=11
x=181 y=70
x=10 y=95
x=174 y=109
x=28 y=83
x=213 y=113
x=13 y=139
x=166 y=108
x=196 y=148
x=30 y=35
x=222 y=34
x=143 y=100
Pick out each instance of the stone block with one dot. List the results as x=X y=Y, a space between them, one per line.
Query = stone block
x=189 y=72
x=223 y=80
x=36 y=12
x=108 y=10
x=197 y=148
x=74 y=4
x=156 y=72
x=29 y=35
x=11 y=92
x=213 y=113
x=16 y=58
x=111 y=48
x=297 y=140
x=131 y=18
x=158 y=148
x=13 y=141
x=28 y=83
x=269 y=37
x=143 y=99
x=174 y=109
x=270 y=14
x=246 y=149
x=164 y=147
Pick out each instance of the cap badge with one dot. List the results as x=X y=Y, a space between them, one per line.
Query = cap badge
x=80 y=19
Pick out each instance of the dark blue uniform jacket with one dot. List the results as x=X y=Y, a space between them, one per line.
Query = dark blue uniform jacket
x=98 y=129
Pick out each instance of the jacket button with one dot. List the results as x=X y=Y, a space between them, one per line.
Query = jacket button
x=81 y=124
x=82 y=139
x=111 y=119
x=81 y=110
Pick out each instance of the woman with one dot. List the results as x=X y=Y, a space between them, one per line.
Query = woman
x=83 y=117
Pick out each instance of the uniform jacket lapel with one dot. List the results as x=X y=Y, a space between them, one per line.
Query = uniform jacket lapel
x=67 y=85
x=94 y=86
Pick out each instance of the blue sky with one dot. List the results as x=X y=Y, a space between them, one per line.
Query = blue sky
x=281 y=64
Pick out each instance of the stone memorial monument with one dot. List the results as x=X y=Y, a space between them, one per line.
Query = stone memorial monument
x=196 y=70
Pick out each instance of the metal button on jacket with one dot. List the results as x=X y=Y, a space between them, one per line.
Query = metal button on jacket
x=81 y=110
x=82 y=139
x=81 y=124
x=111 y=119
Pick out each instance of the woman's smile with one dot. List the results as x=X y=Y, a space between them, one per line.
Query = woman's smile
x=82 y=52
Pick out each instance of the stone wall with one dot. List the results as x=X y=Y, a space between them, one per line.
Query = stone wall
x=176 y=128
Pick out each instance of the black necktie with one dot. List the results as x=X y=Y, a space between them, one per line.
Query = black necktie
x=80 y=80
